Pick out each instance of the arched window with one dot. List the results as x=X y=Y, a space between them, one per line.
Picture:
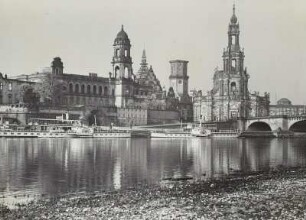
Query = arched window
x=100 y=90
x=233 y=86
x=125 y=53
x=94 y=89
x=126 y=72
x=77 y=88
x=234 y=64
x=88 y=89
x=117 y=71
x=70 y=88
x=83 y=89
x=117 y=52
x=113 y=92
x=233 y=40
x=105 y=90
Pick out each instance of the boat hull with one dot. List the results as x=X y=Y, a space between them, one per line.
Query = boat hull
x=53 y=135
x=112 y=135
x=170 y=135
x=20 y=134
x=224 y=134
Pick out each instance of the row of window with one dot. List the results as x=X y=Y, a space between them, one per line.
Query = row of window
x=10 y=87
x=89 y=89
x=126 y=54
x=96 y=90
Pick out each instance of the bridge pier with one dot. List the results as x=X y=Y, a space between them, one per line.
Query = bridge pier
x=241 y=124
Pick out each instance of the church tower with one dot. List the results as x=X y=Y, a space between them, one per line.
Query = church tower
x=122 y=61
x=179 y=78
x=57 y=66
x=122 y=70
x=235 y=85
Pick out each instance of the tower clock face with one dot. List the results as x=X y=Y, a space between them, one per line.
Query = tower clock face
x=180 y=81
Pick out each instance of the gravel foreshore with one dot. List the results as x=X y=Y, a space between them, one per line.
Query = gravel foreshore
x=277 y=194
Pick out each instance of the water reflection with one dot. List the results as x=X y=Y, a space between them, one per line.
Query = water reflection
x=38 y=167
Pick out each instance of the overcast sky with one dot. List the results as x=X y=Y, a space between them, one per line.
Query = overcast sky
x=81 y=32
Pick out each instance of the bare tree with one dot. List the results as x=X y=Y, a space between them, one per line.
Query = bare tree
x=51 y=89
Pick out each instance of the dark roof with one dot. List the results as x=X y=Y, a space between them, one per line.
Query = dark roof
x=85 y=77
x=122 y=37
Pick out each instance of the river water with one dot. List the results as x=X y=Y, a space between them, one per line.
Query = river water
x=35 y=168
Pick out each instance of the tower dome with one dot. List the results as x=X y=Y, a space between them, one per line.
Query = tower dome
x=57 y=66
x=234 y=17
x=122 y=37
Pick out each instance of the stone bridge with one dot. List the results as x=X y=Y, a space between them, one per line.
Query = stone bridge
x=274 y=123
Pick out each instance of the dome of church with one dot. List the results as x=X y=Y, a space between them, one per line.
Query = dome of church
x=122 y=36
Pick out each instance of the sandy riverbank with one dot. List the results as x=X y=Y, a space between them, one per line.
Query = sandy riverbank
x=274 y=194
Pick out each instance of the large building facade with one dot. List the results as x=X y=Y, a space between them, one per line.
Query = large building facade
x=14 y=91
x=285 y=107
x=122 y=97
x=230 y=97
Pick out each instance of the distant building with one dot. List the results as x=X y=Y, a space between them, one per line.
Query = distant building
x=285 y=107
x=230 y=97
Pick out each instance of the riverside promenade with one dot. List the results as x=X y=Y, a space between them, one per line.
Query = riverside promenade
x=274 y=194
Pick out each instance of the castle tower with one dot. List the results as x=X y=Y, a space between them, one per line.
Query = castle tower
x=122 y=61
x=179 y=78
x=57 y=66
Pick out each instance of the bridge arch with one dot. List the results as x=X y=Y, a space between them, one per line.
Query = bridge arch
x=299 y=126
x=259 y=126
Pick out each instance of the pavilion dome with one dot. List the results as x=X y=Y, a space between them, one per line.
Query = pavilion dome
x=284 y=101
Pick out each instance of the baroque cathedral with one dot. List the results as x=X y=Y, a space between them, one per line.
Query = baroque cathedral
x=230 y=98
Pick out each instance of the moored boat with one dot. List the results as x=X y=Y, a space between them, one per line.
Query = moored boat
x=22 y=134
x=112 y=134
x=200 y=132
x=225 y=134
x=170 y=134
x=5 y=131
x=81 y=131
x=53 y=132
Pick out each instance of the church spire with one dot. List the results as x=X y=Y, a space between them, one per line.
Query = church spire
x=143 y=64
x=144 y=58
x=234 y=17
